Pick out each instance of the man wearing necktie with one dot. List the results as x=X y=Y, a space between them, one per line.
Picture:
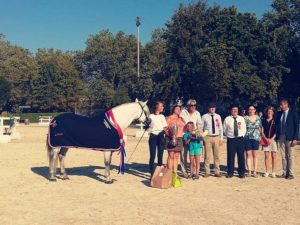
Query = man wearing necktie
x=212 y=123
x=287 y=134
x=235 y=130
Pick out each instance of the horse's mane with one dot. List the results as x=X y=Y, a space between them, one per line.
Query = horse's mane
x=124 y=104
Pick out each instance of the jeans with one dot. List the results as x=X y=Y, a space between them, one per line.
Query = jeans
x=156 y=144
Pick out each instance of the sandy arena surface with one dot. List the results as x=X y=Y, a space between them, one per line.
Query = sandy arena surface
x=27 y=197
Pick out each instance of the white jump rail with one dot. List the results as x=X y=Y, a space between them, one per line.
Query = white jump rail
x=4 y=128
x=44 y=120
x=16 y=120
x=140 y=132
x=15 y=135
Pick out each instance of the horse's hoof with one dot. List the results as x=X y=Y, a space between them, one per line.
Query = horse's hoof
x=52 y=179
x=64 y=176
x=109 y=181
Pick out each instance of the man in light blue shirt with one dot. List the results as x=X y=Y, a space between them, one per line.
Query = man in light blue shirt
x=212 y=124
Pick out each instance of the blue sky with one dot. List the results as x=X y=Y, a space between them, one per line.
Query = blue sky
x=66 y=24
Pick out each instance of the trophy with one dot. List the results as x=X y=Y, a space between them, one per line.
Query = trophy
x=174 y=131
x=195 y=135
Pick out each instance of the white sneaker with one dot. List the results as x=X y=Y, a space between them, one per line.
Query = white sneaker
x=273 y=175
x=266 y=174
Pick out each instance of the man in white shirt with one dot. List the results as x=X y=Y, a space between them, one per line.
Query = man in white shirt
x=190 y=115
x=212 y=123
x=235 y=130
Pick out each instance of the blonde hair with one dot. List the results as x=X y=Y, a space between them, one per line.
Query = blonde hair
x=191 y=102
x=189 y=123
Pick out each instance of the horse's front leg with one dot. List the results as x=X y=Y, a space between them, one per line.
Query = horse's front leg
x=62 y=155
x=107 y=162
x=53 y=152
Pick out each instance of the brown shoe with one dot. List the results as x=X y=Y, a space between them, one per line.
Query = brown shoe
x=218 y=175
x=282 y=176
x=207 y=175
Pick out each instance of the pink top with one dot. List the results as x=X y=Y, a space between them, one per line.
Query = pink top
x=179 y=122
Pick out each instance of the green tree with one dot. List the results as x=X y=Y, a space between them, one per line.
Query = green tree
x=109 y=57
x=283 y=22
x=5 y=89
x=58 y=86
x=18 y=67
x=221 y=54
x=153 y=57
x=121 y=96
x=102 y=94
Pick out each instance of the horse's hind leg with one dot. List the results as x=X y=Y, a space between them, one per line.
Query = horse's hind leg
x=53 y=152
x=107 y=162
x=62 y=155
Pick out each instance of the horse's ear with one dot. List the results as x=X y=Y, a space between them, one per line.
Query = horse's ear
x=145 y=103
x=136 y=100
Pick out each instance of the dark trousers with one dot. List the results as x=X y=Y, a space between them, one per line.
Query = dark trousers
x=156 y=143
x=235 y=146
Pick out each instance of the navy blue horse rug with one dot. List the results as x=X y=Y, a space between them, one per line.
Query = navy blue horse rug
x=75 y=131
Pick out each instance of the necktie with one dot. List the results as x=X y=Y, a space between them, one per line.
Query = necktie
x=213 y=124
x=236 y=131
x=283 y=123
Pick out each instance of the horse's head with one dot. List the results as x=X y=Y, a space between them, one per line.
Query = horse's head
x=145 y=112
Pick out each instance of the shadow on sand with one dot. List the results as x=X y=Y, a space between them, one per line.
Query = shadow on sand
x=139 y=170
x=88 y=171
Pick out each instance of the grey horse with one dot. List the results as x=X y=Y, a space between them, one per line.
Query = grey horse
x=124 y=115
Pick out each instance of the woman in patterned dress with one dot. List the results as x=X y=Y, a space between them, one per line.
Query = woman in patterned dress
x=252 y=138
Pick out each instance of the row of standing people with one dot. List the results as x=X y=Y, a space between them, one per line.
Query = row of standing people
x=244 y=135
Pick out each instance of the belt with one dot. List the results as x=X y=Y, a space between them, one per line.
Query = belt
x=160 y=133
x=212 y=135
x=239 y=137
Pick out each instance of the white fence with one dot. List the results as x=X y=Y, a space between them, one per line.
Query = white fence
x=44 y=120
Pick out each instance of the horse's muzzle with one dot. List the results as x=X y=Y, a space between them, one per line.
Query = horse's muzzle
x=147 y=124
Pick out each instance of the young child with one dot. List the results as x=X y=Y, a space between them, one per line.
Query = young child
x=195 y=149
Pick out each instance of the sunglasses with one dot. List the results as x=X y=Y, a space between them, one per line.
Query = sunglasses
x=193 y=105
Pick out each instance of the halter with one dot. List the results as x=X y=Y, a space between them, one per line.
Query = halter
x=147 y=123
x=143 y=112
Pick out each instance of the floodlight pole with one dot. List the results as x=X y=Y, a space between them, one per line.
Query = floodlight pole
x=138 y=23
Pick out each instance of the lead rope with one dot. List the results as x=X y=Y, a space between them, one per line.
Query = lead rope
x=141 y=136
x=114 y=173
x=136 y=146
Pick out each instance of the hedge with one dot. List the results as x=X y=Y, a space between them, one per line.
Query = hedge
x=33 y=117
